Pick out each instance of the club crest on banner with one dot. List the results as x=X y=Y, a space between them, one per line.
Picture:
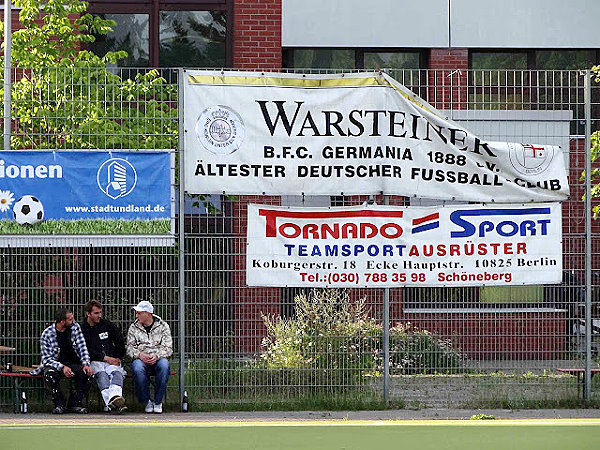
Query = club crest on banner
x=220 y=130
x=530 y=159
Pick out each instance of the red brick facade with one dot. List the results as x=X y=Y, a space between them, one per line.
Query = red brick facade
x=448 y=79
x=494 y=335
x=249 y=304
x=257 y=34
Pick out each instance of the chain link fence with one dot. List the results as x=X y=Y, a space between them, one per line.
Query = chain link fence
x=289 y=347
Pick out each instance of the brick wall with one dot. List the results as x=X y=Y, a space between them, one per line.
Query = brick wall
x=448 y=78
x=497 y=336
x=249 y=302
x=573 y=211
x=257 y=34
x=256 y=45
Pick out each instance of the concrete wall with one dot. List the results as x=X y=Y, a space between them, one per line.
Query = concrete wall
x=464 y=391
x=373 y=23
x=441 y=23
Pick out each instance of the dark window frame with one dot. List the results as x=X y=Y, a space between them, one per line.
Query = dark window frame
x=359 y=54
x=153 y=9
x=531 y=88
x=423 y=54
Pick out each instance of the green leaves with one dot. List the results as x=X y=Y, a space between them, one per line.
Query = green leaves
x=595 y=155
x=66 y=97
x=329 y=332
x=81 y=104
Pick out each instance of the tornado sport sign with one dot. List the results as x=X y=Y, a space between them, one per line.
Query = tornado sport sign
x=383 y=246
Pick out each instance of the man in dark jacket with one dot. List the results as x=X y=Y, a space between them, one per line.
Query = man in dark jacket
x=64 y=354
x=106 y=348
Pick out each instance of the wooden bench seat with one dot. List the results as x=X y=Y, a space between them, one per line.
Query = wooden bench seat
x=21 y=373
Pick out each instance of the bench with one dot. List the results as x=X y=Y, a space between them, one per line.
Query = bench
x=580 y=374
x=20 y=374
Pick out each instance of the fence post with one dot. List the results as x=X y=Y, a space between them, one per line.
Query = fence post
x=7 y=76
x=181 y=303
x=587 y=395
x=386 y=336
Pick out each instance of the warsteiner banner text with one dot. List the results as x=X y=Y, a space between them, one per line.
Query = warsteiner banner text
x=362 y=133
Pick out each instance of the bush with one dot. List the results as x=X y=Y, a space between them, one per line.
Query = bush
x=335 y=337
x=413 y=350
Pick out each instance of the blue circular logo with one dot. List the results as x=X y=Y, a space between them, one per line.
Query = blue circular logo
x=116 y=177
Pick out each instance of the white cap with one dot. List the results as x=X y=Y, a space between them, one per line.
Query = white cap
x=144 y=306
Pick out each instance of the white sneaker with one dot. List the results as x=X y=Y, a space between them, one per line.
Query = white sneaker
x=158 y=408
x=150 y=407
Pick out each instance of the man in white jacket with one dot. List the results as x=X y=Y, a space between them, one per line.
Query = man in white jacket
x=149 y=344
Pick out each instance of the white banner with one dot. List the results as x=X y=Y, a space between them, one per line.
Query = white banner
x=384 y=246
x=291 y=134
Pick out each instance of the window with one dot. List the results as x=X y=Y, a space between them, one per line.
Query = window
x=498 y=60
x=499 y=81
x=565 y=59
x=347 y=59
x=402 y=66
x=392 y=60
x=504 y=80
x=512 y=294
x=131 y=33
x=165 y=33
x=325 y=58
x=558 y=89
x=192 y=39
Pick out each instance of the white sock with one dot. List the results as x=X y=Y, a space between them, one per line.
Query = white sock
x=115 y=390
x=106 y=396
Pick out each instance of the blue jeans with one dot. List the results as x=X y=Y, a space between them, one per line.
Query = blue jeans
x=141 y=371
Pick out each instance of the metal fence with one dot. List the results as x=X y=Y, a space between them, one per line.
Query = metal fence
x=476 y=346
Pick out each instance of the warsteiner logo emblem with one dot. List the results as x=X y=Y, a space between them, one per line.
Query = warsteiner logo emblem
x=220 y=130
x=530 y=159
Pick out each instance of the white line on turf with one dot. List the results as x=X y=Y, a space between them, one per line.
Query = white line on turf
x=340 y=423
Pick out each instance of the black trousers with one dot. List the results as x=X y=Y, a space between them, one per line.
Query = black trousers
x=52 y=379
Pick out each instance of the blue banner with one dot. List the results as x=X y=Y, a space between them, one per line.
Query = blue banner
x=71 y=185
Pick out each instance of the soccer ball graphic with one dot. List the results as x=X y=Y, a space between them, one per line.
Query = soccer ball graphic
x=28 y=210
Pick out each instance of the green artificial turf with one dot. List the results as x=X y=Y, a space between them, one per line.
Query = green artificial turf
x=406 y=435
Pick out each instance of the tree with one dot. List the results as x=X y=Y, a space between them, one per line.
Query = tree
x=595 y=156
x=64 y=97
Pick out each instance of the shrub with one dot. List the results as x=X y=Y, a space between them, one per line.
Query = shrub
x=336 y=337
x=413 y=350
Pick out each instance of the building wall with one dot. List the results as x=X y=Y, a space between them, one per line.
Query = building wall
x=441 y=23
x=257 y=34
x=374 y=23
x=256 y=46
x=524 y=24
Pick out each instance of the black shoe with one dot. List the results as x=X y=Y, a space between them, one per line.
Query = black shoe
x=121 y=410
x=58 y=410
x=116 y=403
x=78 y=410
